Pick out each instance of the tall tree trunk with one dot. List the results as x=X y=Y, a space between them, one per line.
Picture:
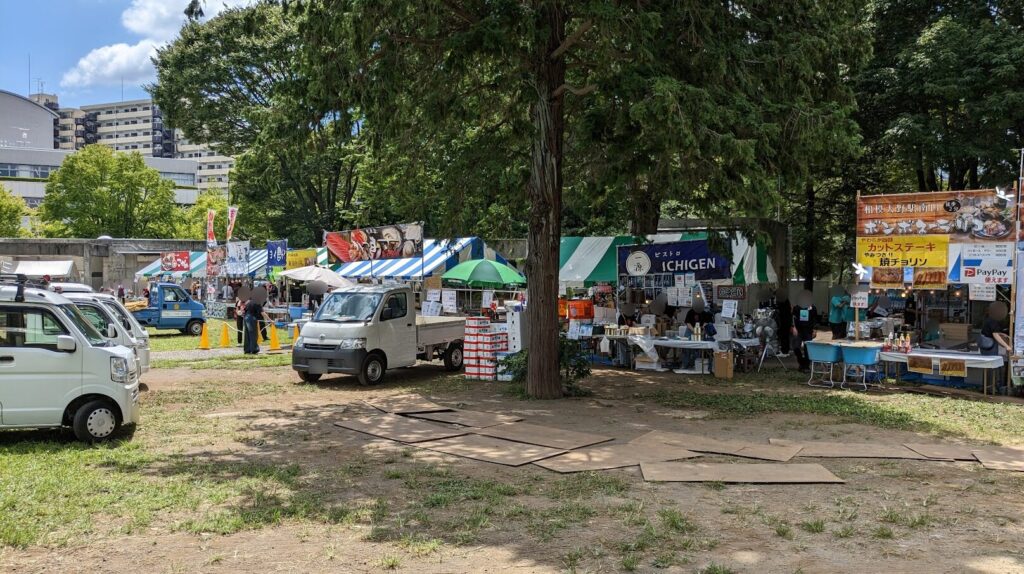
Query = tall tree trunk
x=646 y=207
x=545 y=194
x=972 y=174
x=921 y=184
x=929 y=173
x=809 y=238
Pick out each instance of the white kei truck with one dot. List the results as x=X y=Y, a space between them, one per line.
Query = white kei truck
x=364 y=330
x=57 y=370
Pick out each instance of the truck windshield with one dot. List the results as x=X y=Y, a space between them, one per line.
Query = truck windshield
x=84 y=326
x=123 y=315
x=346 y=307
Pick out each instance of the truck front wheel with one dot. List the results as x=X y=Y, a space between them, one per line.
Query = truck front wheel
x=453 y=357
x=194 y=328
x=95 y=421
x=372 y=372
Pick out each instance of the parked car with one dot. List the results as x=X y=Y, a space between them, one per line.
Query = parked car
x=171 y=307
x=111 y=319
x=365 y=330
x=57 y=370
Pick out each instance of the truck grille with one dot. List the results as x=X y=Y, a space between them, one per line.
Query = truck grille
x=320 y=347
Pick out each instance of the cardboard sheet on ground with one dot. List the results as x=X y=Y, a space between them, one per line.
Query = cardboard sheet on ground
x=1001 y=458
x=399 y=428
x=490 y=449
x=543 y=436
x=608 y=456
x=692 y=442
x=943 y=451
x=405 y=404
x=476 y=419
x=850 y=450
x=767 y=473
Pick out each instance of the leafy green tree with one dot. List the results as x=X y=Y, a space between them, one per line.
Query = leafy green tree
x=12 y=210
x=99 y=192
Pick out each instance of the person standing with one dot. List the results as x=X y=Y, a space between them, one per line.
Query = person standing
x=239 y=319
x=804 y=319
x=120 y=293
x=253 y=314
x=837 y=314
x=226 y=292
x=784 y=318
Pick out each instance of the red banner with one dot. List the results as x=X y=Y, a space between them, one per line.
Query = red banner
x=232 y=215
x=175 y=261
x=211 y=238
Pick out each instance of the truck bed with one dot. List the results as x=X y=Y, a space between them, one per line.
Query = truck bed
x=436 y=330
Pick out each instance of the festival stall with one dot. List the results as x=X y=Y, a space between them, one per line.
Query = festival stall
x=944 y=262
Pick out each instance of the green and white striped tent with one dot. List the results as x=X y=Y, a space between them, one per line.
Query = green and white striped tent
x=586 y=261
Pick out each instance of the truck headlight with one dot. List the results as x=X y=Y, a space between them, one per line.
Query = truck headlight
x=118 y=369
x=299 y=342
x=352 y=344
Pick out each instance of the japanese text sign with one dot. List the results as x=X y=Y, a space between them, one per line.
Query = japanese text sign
x=903 y=251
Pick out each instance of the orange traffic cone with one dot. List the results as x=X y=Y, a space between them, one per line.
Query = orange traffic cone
x=296 y=335
x=204 y=339
x=259 y=334
x=275 y=344
x=225 y=338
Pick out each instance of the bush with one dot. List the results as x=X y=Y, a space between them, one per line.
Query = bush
x=573 y=367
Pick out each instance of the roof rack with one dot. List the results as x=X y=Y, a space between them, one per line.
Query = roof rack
x=20 y=280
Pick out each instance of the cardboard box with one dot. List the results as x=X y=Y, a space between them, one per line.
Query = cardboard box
x=723 y=366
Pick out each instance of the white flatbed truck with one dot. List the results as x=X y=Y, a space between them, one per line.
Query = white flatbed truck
x=365 y=330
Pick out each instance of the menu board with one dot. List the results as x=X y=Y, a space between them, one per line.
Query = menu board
x=729 y=307
x=433 y=294
x=487 y=299
x=448 y=301
x=982 y=292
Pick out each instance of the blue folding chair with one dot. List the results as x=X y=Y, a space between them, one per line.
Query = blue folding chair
x=862 y=361
x=823 y=356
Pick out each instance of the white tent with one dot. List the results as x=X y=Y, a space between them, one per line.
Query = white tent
x=54 y=269
x=316 y=273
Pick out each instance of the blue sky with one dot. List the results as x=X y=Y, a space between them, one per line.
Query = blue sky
x=82 y=49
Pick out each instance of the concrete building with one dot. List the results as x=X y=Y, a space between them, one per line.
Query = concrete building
x=136 y=125
x=31 y=146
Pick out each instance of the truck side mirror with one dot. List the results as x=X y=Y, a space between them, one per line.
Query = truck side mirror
x=111 y=331
x=66 y=344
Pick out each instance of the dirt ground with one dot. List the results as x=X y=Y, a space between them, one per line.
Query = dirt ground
x=890 y=516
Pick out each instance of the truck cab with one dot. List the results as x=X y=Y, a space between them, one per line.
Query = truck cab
x=366 y=329
x=57 y=370
x=171 y=307
x=114 y=322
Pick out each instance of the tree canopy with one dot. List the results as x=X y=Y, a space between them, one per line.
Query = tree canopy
x=12 y=210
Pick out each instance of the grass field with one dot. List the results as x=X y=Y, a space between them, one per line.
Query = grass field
x=175 y=341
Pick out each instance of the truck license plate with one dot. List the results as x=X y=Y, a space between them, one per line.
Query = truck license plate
x=318 y=366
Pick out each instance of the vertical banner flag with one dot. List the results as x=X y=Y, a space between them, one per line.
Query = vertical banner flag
x=277 y=253
x=232 y=215
x=211 y=238
x=237 y=258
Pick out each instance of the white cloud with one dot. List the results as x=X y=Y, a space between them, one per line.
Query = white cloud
x=157 y=22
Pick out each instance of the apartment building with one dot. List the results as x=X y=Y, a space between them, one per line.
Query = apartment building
x=135 y=125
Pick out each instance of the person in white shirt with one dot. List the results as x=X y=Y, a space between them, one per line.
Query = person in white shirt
x=226 y=293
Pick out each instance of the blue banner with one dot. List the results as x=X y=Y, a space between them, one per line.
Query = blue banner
x=277 y=253
x=677 y=258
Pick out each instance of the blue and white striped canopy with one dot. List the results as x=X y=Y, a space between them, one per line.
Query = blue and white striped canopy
x=438 y=254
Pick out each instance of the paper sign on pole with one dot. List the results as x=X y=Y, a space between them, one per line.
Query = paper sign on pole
x=448 y=301
x=729 y=308
x=859 y=299
x=433 y=294
x=487 y=299
x=431 y=309
x=982 y=292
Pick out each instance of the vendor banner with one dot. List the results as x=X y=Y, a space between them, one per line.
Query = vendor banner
x=171 y=261
x=277 y=253
x=981 y=263
x=300 y=258
x=374 y=243
x=903 y=251
x=965 y=216
x=215 y=259
x=930 y=278
x=232 y=216
x=237 y=262
x=679 y=257
x=211 y=237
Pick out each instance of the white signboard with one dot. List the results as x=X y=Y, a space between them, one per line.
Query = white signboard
x=488 y=297
x=680 y=280
x=729 y=308
x=672 y=296
x=983 y=263
x=647 y=320
x=686 y=297
x=574 y=330
x=433 y=294
x=448 y=301
x=982 y=291
x=431 y=309
x=859 y=299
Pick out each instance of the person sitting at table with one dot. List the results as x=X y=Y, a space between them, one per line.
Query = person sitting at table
x=697 y=315
x=993 y=323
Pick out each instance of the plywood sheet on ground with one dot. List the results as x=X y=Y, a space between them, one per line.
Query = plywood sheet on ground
x=405 y=404
x=776 y=452
x=850 y=450
x=476 y=419
x=542 y=435
x=608 y=456
x=692 y=442
x=399 y=428
x=489 y=449
x=1001 y=458
x=944 y=451
x=767 y=473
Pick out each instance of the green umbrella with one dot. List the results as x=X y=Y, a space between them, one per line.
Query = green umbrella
x=483 y=273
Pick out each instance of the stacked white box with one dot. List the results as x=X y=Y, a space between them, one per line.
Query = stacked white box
x=477 y=353
x=516 y=331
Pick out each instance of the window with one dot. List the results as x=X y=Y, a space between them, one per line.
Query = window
x=186 y=179
x=30 y=327
x=146 y=146
x=174 y=295
x=135 y=109
x=397 y=304
x=145 y=108
x=95 y=317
